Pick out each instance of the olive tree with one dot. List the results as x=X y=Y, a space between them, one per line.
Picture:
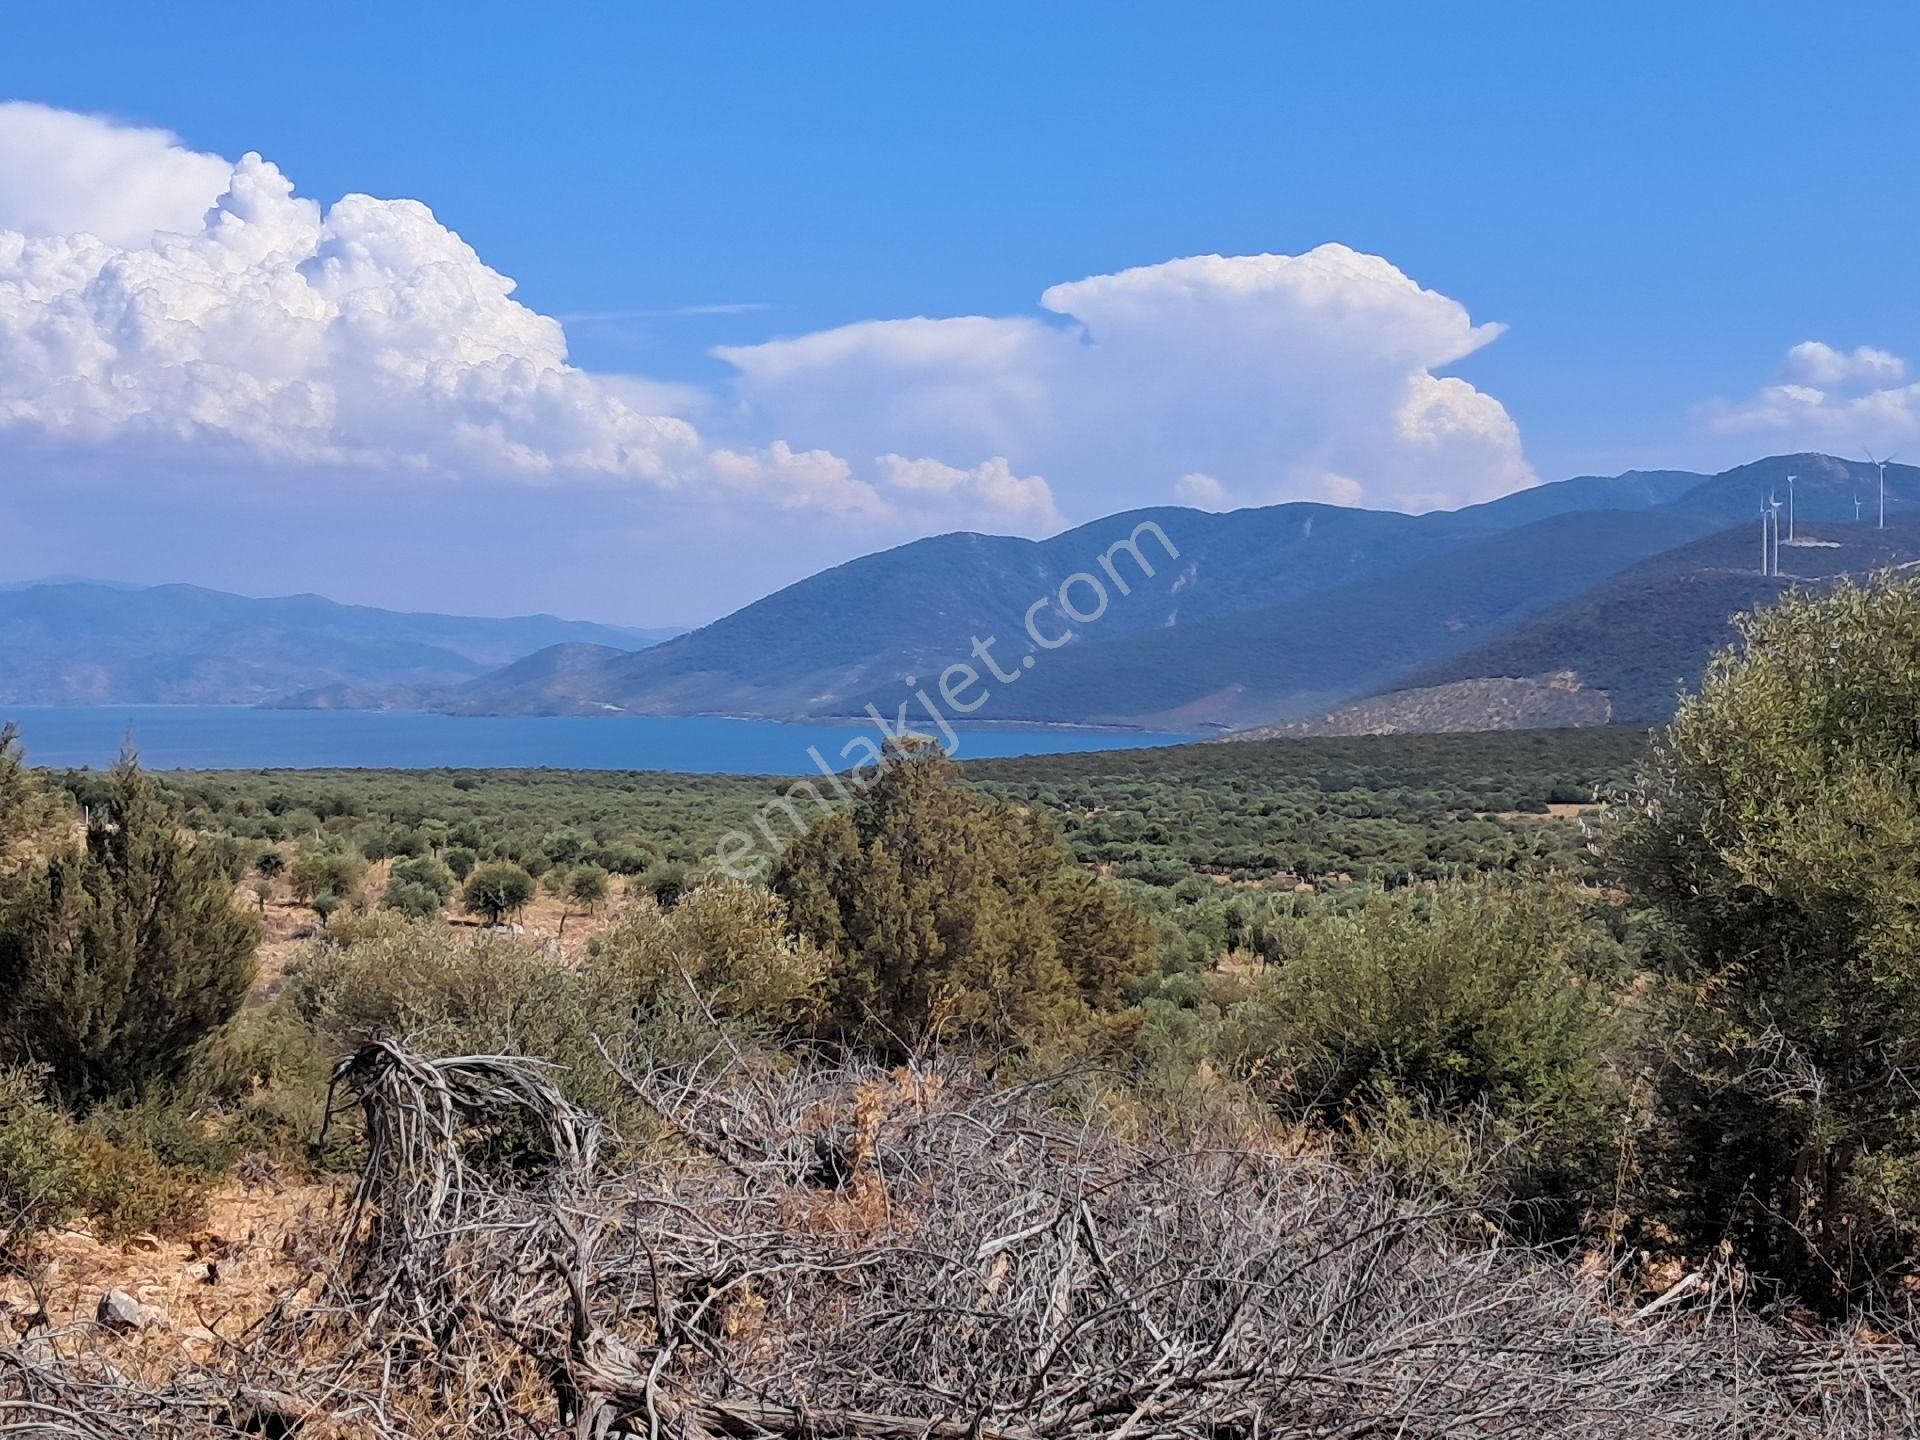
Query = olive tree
x=497 y=890
x=1775 y=828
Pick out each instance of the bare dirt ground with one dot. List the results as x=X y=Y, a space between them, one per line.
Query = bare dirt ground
x=1556 y=810
x=541 y=921
x=258 y=1242
x=260 y=1239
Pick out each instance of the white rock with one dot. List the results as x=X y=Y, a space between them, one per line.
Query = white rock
x=120 y=1311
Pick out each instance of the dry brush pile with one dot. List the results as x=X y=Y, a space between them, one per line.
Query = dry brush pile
x=835 y=1251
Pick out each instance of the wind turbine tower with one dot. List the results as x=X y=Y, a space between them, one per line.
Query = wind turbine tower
x=1774 y=505
x=1881 y=466
x=1790 y=480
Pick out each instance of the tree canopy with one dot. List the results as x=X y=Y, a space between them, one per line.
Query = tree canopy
x=497 y=891
x=945 y=909
x=1774 y=829
x=120 y=957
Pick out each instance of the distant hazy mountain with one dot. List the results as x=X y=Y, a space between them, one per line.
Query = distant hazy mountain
x=1591 y=596
x=41 y=580
x=1264 y=609
x=821 y=646
x=83 y=642
x=1268 y=615
x=1622 y=650
x=1634 y=490
x=1396 y=630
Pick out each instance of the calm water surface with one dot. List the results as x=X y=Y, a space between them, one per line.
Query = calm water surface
x=231 y=737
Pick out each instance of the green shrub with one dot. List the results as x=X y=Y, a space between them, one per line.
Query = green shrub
x=459 y=859
x=234 y=856
x=409 y=899
x=1774 y=830
x=622 y=859
x=425 y=871
x=263 y=1080
x=724 y=948
x=1483 y=1004
x=666 y=882
x=26 y=806
x=946 y=911
x=454 y=993
x=338 y=873
x=177 y=1130
x=564 y=846
x=419 y=886
x=118 y=961
x=587 y=887
x=39 y=1161
x=129 y=1190
x=143 y=1168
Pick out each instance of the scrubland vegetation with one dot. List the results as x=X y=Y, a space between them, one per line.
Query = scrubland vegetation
x=1330 y=1087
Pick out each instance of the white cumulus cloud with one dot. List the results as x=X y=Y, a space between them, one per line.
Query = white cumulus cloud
x=991 y=487
x=1827 y=397
x=1202 y=491
x=1264 y=373
x=1813 y=362
x=68 y=174
x=204 y=304
x=160 y=307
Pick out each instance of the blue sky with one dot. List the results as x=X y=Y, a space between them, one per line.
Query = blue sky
x=1656 y=202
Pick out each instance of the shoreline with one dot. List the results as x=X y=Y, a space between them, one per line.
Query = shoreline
x=833 y=722
x=249 y=737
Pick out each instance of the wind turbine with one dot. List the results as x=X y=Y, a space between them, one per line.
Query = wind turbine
x=1790 y=480
x=1767 y=518
x=1881 y=465
x=1775 y=505
x=1856 y=507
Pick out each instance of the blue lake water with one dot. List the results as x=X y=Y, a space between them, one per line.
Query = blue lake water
x=232 y=737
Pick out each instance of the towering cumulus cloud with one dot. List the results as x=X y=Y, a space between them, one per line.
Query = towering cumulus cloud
x=368 y=335
x=176 y=307
x=1266 y=376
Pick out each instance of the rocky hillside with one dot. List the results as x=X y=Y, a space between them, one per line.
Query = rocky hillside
x=1546 y=703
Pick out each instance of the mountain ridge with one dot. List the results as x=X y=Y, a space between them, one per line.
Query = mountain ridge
x=829 y=645
x=85 y=642
x=1266 y=615
x=1282 y=616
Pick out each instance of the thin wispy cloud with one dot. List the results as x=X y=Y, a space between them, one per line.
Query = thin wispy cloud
x=615 y=317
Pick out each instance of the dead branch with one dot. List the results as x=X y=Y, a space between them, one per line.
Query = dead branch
x=976 y=1262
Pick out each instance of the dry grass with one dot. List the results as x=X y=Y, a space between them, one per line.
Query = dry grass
x=559 y=928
